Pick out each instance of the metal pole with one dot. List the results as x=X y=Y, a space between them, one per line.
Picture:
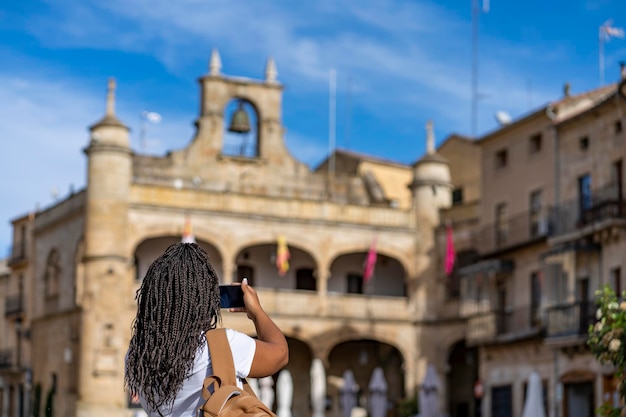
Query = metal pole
x=332 y=86
x=474 y=98
x=601 y=56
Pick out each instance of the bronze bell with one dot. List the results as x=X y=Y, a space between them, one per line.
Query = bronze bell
x=240 y=122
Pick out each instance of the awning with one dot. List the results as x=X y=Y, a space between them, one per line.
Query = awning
x=496 y=266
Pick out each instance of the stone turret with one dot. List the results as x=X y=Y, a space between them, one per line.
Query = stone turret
x=107 y=271
x=108 y=182
x=431 y=186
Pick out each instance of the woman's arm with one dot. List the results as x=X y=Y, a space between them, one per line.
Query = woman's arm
x=272 y=353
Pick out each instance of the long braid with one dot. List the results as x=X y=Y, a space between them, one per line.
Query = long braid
x=177 y=302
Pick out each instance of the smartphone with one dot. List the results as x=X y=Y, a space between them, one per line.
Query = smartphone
x=231 y=296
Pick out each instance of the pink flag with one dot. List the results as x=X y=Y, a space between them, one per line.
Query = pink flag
x=370 y=262
x=450 y=253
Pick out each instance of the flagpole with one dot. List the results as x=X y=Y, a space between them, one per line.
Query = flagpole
x=332 y=87
x=601 y=55
x=474 y=98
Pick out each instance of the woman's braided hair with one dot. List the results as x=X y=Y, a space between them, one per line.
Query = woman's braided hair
x=177 y=302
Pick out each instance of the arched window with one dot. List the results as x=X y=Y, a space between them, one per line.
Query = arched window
x=52 y=274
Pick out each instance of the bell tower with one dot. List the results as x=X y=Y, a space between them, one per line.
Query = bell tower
x=258 y=110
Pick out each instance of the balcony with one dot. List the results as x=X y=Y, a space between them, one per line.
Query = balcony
x=303 y=304
x=519 y=230
x=570 y=320
x=504 y=325
x=13 y=306
x=603 y=204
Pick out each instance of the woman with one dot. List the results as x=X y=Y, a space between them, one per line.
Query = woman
x=168 y=358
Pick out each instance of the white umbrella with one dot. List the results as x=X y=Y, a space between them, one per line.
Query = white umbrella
x=267 y=392
x=284 y=392
x=429 y=393
x=348 y=393
x=377 y=401
x=533 y=406
x=318 y=388
x=254 y=384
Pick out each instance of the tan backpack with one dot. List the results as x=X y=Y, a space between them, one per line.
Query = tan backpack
x=223 y=397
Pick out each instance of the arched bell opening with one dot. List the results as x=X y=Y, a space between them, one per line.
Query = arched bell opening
x=241 y=135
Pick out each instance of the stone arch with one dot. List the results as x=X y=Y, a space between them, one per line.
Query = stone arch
x=160 y=229
x=257 y=263
x=347 y=275
x=381 y=249
x=323 y=343
x=303 y=245
x=149 y=249
x=362 y=357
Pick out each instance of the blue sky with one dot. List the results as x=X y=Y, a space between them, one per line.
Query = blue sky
x=398 y=63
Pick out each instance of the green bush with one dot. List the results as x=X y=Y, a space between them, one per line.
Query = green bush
x=607 y=340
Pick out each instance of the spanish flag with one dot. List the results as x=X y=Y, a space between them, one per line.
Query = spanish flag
x=282 y=256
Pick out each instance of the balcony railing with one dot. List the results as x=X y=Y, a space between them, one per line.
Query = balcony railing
x=517 y=230
x=6 y=358
x=348 y=306
x=570 y=319
x=13 y=305
x=605 y=203
x=504 y=324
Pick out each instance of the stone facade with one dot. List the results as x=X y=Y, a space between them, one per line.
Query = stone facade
x=520 y=273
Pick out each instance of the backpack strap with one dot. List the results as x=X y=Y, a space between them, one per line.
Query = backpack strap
x=221 y=356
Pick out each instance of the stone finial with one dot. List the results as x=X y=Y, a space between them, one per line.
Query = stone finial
x=622 y=70
x=270 y=70
x=567 y=89
x=430 y=138
x=215 y=64
x=110 y=110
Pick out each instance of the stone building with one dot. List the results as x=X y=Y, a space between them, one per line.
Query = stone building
x=535 y=210
x=547 y=235
x=82 y=259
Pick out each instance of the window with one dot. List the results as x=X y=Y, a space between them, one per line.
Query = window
x=355 y=284
x=457 y=196
x=616 y=280
x=501 y=224
x=535 y=143
x=584 y=143
x=502 y=401
x=537 y=222
x=584 y=192
x=502 y=157
x=618 y=127
x=245 y=271
x=305 y=279
x=616 y=179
